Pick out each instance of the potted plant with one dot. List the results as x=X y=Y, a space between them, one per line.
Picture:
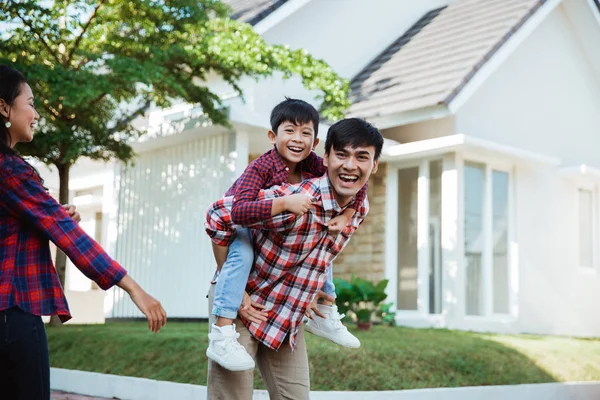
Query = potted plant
x=361 y=297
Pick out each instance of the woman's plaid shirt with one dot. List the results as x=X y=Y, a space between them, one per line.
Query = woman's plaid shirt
x=29 y=218
x=292 y=255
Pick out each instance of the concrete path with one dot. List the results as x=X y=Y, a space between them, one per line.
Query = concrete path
x=57 y=395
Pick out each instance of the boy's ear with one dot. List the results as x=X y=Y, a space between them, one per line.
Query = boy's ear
x=272 y=136
x=315 y=143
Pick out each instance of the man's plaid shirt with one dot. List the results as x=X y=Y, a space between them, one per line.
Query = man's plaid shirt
x=266 y=171
x=29 y=218
x=292 y=255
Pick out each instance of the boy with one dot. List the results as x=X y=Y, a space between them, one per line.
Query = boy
x=294 y=129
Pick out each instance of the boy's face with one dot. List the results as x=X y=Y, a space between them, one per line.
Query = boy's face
x=294 y=142
x=349 y=169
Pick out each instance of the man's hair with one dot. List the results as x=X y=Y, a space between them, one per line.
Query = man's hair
x=296 y=111
x=353 y=132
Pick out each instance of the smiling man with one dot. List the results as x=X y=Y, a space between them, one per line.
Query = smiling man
x=293 y=255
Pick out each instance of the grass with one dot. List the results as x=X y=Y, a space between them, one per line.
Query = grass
x=389 y=358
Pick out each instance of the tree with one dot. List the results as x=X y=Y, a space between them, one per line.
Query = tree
x=85 y=59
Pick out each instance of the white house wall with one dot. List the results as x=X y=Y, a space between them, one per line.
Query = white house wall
x=544 y=98
x=162 y=204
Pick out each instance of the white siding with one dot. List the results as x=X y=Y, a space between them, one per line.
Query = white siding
x=161 y=239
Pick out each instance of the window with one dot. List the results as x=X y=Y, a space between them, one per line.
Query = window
x=486 y=239
x=586 y=202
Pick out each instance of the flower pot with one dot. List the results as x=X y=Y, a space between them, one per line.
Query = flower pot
x=364 y=326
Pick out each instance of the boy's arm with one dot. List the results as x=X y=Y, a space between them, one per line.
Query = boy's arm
x=220 y=225
x=247 y=210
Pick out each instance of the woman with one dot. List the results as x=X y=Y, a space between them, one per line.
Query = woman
x=29 y=286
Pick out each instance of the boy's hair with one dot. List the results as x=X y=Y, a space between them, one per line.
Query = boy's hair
x=353 y=132
x=296 y=111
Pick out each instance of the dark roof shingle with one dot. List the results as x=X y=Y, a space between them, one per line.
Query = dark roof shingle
x=252 y=11
x=437 y=56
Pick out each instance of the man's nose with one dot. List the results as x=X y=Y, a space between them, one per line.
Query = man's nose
x=350 y=163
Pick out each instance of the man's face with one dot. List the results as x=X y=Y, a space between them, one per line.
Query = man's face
x=348 y=170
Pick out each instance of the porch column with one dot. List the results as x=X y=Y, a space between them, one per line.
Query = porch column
x=453 y=289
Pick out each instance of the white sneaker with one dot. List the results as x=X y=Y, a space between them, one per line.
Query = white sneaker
x=225 y=350
x=331 y=327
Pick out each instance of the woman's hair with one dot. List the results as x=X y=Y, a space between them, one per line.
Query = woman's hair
x=10 y=88
x=11 y=82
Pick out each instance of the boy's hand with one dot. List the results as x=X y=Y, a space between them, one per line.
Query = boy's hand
x=252 y=311
x=336 y=225
x=298 y=204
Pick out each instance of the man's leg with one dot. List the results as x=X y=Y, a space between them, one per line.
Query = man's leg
x=222 y=383
x=285 y=372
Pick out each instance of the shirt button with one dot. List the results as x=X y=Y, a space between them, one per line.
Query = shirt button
x=287 y=169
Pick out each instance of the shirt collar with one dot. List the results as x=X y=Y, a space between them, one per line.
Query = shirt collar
x=327 y=199
x=277 y=160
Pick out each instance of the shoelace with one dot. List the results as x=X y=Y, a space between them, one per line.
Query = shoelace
x=231 y=343
x=338 y=321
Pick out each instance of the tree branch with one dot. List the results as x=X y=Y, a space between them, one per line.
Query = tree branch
x=127 y=120
x=85 y=27
x=40 y=38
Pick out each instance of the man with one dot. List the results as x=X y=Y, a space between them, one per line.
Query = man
x=292 y=255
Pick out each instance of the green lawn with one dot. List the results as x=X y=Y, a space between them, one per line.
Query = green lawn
x=389 y=358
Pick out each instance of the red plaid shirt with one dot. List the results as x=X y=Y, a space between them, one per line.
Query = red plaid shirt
x=29 y=217
x=292 y=255
x=266 y=171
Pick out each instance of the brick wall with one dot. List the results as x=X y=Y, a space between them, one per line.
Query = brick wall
x=364 y=256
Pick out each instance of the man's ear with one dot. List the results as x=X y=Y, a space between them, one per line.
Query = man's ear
x=375 y=166
x=326 y=160
x=4 y=108
x=272 y=136
x=315 y=143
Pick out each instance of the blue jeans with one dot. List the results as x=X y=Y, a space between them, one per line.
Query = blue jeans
x=233 y=277
x=328 y=286
x=232 y=280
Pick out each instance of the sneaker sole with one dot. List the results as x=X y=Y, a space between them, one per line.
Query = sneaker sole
x=326 y=335
x=231 y=367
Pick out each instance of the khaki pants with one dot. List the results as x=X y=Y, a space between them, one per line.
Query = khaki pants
x=284 y=372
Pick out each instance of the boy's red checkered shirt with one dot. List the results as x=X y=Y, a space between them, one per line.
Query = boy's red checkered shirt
x=292 y=255
x=267 y=171
x=29 y=218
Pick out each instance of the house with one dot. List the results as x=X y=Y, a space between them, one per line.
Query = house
x=484 y=211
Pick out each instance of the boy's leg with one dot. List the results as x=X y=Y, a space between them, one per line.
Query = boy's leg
x=233 y=278
x=331 y=327
x=224 y=384
x=285 y=372
x=328 y=286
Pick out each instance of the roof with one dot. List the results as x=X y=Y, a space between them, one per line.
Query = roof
x=435 y=59
x=253 y=11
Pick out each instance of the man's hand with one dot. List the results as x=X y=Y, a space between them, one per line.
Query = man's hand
x=298 y=203
x=72 y=211
x=313 y=305
x=252 y=311
x=336 y=225
x=148 y=305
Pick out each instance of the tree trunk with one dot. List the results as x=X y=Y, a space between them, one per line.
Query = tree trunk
x=61 y=258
